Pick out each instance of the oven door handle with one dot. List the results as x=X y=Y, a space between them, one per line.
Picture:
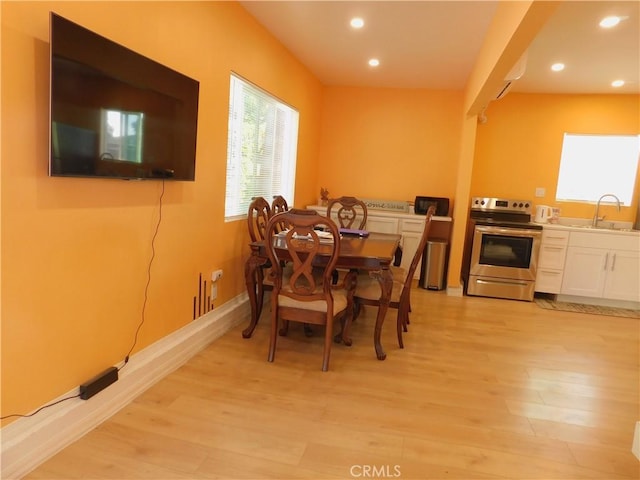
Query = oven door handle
x=514 y=232
x=502 y=282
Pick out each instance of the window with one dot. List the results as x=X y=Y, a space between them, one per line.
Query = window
x=122 y=135
x=592 y=165
x=261 y=149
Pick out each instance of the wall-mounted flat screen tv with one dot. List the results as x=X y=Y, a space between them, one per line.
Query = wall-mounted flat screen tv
x=116 y=113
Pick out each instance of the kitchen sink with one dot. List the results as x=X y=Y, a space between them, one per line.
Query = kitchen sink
x=612 y=229
x=590 y=227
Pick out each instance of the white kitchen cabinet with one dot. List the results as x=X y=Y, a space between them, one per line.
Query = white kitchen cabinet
x=411 y=231
x=410 y=226
x=382 y=224
x=602 y=266
x=550 y=270
x=585 y=272
x=623 y=280
x=375 y=223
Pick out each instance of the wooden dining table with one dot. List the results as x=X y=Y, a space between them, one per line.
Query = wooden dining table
x=374 y=253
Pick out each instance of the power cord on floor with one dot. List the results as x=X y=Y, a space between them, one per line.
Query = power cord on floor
x=41 y=408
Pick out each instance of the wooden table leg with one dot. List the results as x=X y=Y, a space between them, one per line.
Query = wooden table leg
x=386 y=285
x=349 y=285
x=254 y=290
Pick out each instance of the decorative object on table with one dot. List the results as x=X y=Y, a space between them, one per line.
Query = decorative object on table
x=324 y=196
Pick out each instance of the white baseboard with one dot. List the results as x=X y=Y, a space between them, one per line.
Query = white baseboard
x=28 y=442
x=454 y=291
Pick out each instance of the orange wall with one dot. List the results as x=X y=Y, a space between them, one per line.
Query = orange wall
x=513 y=27
x=389 y=143
x=519 y=147
x=75 y=252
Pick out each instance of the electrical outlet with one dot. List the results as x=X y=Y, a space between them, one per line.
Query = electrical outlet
x=540 y=192
x=216 y=275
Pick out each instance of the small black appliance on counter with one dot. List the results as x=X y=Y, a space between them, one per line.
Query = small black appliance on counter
x=422 y=204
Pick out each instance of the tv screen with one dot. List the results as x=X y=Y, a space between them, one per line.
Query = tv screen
x=116 y=113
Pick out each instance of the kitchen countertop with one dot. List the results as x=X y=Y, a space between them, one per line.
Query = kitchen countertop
x=390 y=213
x=587 y=228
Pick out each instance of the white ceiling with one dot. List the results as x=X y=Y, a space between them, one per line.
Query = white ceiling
x=434 y=44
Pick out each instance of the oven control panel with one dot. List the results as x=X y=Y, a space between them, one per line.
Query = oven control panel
x=493 y=204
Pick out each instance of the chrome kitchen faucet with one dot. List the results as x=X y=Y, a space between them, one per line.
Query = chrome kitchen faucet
x=594 y=224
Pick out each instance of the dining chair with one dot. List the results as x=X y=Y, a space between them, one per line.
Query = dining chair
x=257 y=218
x=367 y=291
x=350 y=212
x=278 y=205
x=307 y=295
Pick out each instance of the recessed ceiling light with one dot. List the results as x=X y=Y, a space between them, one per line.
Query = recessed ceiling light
x=557 y=67
x=617 y=83
x=357 y=22
x=374 y=62
x=608 y=22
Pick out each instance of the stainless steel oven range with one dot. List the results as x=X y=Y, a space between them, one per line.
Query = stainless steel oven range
x=504 y=246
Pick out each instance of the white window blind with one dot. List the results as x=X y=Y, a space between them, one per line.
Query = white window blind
x=261 y=149
x=592 y=165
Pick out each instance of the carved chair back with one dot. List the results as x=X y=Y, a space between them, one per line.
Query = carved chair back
x=257 y=218
x=350 y=212
x=306 y=293
x=279 y=205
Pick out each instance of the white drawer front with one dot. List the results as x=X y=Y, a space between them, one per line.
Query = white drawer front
x=548 y=281
x=382 y=224
x=412 y=226
x=555 y=237
x=552 y=256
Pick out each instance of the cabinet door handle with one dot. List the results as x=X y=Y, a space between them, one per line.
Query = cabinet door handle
x=606 y=260
x=613 y=262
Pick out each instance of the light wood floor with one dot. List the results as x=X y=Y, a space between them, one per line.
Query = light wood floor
x=485 y=388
